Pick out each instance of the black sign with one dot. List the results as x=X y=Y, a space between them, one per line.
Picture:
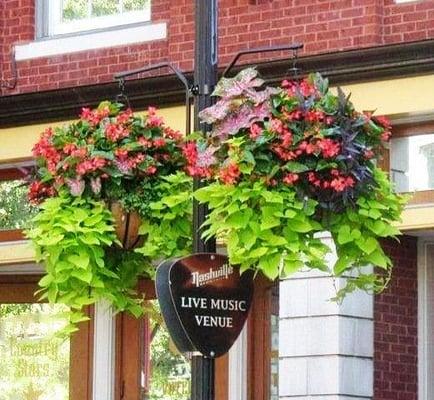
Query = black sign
x=204 y=301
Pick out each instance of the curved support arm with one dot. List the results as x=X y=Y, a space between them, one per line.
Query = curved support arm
x=122 y=75
x=294 y=47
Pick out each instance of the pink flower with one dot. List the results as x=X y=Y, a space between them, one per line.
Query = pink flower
x=340 y=183
x=115 y=132
x=151 y=170
x=255 y=131
x=76 y=186
x=290 y=178
x=383 y=121
x=123 y=166
x=144 y=142
x=206 y=157
x=385 y=136
x=368 y=154
x=153 y=120
x=159 y=142
x=172 y=134
x=230 y=174
x=329 y=148
x=125 y=116
x=95 y=184
x=276 y=126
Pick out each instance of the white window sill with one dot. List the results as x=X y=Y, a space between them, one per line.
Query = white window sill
x=91 y=41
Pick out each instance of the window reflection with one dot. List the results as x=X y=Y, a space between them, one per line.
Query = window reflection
x=412 y=163
x=34 y=363
x=15 y=210
x=166 y=373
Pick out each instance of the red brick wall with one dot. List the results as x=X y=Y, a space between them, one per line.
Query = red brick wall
x=323 y=26
x=395 y=321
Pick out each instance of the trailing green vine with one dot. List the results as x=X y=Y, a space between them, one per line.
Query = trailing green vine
x=168 y=228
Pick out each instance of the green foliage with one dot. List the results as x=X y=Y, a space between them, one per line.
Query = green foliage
x=357 y=233
x=274 y=231
x=170 y=370
x=269 y=230
x=73 y=236
x=78 y=9
x=168 y=226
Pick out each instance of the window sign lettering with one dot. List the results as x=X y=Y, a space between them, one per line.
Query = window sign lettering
x=34 y=363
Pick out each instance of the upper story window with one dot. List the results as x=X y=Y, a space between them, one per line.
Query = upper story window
x=410 y=160
x=59 y=17
x=412 y=163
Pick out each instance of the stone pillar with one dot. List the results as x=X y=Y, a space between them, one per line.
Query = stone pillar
x=326 y=349
x=104 y=352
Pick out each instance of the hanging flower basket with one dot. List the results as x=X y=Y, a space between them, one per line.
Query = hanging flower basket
x=127 y=226
x=288 y=163
x=113 y=199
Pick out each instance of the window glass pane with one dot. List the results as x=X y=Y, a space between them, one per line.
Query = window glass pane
x=135 y=5
x=168 y=372
x=15 y=210
x=34 y=363
x=105 y=7
x=74 y=9
x=412 y=163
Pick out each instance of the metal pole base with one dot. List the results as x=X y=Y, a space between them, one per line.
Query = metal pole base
x=202 y=373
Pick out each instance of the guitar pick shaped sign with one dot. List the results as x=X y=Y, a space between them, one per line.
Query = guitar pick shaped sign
x=204 y=302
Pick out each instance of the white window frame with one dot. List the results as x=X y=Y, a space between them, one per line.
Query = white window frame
x=120 y=35
x=49 y=19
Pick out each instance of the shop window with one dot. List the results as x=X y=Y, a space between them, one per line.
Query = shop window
x=148 y=365
x=412 y=163
x=263 y=353
x=410 y=160
x=15 y=210
x=160 y=371
x=59 y=17
x=35 y=363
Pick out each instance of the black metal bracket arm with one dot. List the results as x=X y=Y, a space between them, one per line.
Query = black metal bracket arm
x=120 y=77
x=258 y=50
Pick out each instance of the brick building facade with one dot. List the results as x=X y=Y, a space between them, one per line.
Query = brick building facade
x=323 y=27
x=395 y=324
x=395 y=37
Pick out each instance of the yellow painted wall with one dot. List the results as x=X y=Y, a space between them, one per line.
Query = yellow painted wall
x=394 y=96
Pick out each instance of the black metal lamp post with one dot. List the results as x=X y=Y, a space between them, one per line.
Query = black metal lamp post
x=205 y=78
